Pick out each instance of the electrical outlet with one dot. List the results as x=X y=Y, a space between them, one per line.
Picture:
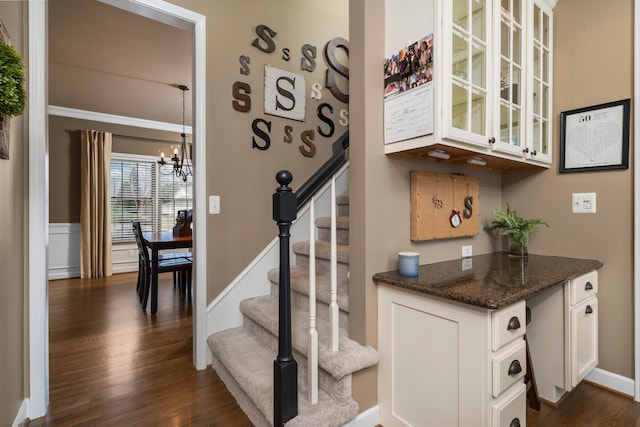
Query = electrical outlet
x=467 y=251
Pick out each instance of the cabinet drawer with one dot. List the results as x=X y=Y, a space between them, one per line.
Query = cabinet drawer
x=508 y=324
x=583 y=287
x=509 y=366
x=510 y=410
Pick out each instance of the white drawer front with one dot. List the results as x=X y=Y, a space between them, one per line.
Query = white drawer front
x=583 y=287
x=509 y=366
x=508 y=324
x=510 y=410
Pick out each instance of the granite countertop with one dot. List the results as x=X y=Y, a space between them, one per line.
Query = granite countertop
x=492 y=280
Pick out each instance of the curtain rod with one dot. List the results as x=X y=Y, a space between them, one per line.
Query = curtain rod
x=142 y=138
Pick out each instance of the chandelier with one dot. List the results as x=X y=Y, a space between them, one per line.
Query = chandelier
x=180 y=159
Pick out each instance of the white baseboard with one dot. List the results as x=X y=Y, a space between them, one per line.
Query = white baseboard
x=21 y=416
x=612 y=381
x=368 y=418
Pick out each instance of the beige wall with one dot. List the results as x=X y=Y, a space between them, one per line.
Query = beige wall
x=245 y=177
x=13 y=248
x=64 y=158
x=592 y=41
x=593 y=54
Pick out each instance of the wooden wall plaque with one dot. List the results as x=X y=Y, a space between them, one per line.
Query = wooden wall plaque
x=436 y=198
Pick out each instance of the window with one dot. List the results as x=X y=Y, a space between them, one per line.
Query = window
x=139 y=192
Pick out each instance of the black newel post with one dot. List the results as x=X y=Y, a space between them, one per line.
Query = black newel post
x=285 y=368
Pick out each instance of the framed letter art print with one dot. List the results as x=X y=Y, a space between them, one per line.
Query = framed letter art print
x=595 y=138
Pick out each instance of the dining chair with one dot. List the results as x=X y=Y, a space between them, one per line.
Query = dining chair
x=178 y=263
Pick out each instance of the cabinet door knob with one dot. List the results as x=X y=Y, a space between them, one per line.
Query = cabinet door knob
x=588 y=286
x=515 y=423
x=514 y=323
x=588 y=310
x=526 y=150
x=492 y=140
x=515 y=368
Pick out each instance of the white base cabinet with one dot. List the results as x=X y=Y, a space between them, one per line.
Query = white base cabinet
x=437 y=365
x=563 y=335
x=444 y=363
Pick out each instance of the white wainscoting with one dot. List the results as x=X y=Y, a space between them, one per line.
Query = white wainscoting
x=64 y=250
x=64 y=253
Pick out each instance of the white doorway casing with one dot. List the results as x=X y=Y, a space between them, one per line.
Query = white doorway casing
x=38 y=345
x=636 y=197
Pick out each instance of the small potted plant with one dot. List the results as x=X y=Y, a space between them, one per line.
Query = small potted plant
x=517 y=228
x=12 y=93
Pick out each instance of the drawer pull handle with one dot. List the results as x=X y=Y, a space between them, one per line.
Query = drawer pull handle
x=588 y=310
x=515 y=368
x=514 y=323
x=515 y=423
x=588 y=286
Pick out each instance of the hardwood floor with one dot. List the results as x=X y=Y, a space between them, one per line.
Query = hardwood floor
x=587 y=405
x=113 y=364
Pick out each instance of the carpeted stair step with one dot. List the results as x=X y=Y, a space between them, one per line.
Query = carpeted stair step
x=244 y=365
x=351 y=356
x=323 y=258
x=299 y=280
x=323 y=224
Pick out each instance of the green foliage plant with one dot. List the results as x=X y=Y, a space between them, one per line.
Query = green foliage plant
x=513 y=225
x=12 y=94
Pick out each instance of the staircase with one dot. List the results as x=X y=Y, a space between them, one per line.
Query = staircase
x=243 y=357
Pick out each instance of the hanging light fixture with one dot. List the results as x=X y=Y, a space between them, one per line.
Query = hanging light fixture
x=180 y=159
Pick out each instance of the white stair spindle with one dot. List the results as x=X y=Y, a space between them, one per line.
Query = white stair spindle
x=333 y=307
x=312 y=362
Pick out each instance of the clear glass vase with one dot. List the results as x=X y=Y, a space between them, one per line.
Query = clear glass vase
x=517 y=249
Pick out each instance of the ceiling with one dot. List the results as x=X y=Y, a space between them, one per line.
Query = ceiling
x=105 y=59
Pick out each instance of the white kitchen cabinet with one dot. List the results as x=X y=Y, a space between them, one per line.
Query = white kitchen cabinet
x=492 y=80
x=563 y=335
x=437 y=365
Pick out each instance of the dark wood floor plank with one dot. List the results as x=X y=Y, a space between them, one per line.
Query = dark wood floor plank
x=112 y=364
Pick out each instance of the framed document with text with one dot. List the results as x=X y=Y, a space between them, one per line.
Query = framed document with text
x=595 y=138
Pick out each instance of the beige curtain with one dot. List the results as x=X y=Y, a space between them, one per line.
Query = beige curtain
x=95 y=210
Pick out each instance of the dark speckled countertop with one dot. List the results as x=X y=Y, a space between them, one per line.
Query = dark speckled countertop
x=493 y=280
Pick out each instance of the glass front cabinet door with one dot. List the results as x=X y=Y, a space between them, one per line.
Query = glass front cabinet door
x=496 y=77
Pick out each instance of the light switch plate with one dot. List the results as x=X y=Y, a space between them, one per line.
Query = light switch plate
x=583 y=202
x=214 y=204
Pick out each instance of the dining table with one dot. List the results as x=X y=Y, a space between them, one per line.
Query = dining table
x=158 y=241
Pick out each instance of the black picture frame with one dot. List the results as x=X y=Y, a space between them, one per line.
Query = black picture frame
x=595 y=138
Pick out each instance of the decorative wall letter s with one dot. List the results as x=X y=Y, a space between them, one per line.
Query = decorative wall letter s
x=261 y=134
x=336 y=68
x=265 y=34
x=242 y=100
x=309 y=148
x=244 y=65
x=308 y=60
x=284 y=94
x=316 y=91
x=325 y=119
